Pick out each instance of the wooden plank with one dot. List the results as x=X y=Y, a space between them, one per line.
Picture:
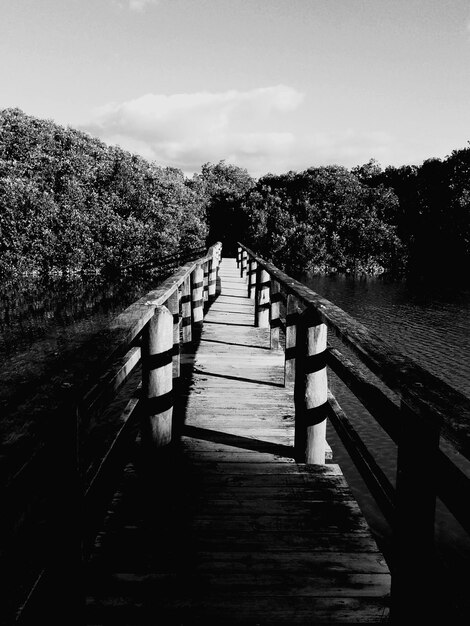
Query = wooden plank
x=109 y=382
x=305 y=563
x=130 y=542
x=236 y=609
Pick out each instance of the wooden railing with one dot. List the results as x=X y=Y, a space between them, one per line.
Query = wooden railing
x=411 y=405
x=149 y=332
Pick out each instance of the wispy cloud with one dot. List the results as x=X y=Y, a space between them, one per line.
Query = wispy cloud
x=141 y=5
x=137 y=6
x=188 y=129
x=246 y=128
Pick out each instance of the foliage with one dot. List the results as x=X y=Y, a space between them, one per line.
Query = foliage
x=68 y=202
x=222 y=186
x=322 y=219
x=433 y=216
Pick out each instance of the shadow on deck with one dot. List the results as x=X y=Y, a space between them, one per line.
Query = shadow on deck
x=225 y=527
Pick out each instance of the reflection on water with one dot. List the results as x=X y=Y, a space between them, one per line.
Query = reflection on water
x=31 y=308
x=42 y=324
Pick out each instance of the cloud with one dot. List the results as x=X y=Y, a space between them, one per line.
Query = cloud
x=140 y=5
x=246 y=128
x=187 y=129
x=137 y=6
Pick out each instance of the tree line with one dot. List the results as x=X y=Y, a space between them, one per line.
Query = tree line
x=69 y=202
x=409 y=221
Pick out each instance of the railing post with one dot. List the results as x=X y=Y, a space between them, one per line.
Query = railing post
x=213 y=263
x=243 y=264
x=206 y=268
x=275 y=319
x=197 y=284
x=252 y=278
x=291 y=334
x=219 y=259
x=174 y=308
x=249 y=274
x=254 y=268
x=413 y=565
x=311 y=389
x=186 y=317
x=157 y=378
x=239 y=256
x=262 y=305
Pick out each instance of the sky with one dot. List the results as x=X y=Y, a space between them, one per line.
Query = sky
x=269 y=85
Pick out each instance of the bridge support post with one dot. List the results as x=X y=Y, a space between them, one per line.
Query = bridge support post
x=252 y=265
x=243 y=264
x=157 y=378
x=274 y=318
x=311 y=389
x=197 y=298
x=413 y=528
x=213 y=263
x=291 y=340
x=173 y=305
x=217 y=266
x=262 y=305
x=206 y=268
x=186 y=319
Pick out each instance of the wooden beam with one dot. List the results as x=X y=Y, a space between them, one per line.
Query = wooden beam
x=263 y=303
x=173 y=305
x=213 y=263
x=243 y=264
x=274 y=316
x=311 y=389
x=205 y=267
x=197 y=283
x=377 y=482
x=413 y=565
x=292 y=314
x=157 y=379
x=186 y=315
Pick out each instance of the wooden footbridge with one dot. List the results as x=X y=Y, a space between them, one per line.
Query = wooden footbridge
x=217 y=500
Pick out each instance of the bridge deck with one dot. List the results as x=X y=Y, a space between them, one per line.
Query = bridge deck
x=229 y=529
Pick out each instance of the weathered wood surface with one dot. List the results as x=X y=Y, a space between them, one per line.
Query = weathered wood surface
x=229 y=529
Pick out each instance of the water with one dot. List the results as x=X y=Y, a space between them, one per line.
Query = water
x=42 y=325
x=430 y=324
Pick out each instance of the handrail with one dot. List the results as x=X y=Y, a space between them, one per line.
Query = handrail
x=419 y=389
x=422 y=407
x=80 y=499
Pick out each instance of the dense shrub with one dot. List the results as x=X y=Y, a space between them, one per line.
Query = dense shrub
x=322 y=219
x=68 y=202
